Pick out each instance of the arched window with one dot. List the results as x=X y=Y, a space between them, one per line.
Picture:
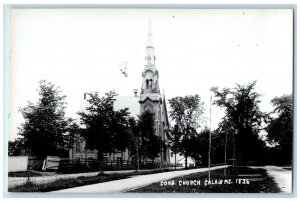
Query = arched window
x=150 y=83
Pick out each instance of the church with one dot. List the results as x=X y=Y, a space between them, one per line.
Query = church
x=150 y=99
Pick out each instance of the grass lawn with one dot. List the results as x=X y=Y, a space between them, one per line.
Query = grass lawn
x=76 y=182
x=251 y=181
x=66 y=183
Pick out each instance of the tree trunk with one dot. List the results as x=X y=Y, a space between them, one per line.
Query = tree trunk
x=100 y=167
x=225 y=155
x=138 y=159
x=175 y=160
x=100 y=163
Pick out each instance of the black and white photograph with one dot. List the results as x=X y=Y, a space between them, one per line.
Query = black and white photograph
x=150 y=100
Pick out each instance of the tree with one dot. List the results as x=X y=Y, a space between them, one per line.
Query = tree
x=224 y=144
x=105 y=128
x=175 y=141
x=46 y=126
x=243 y=120
x=148 y=144
x=280 y=128
x=186 y=112
x=16 y=147
x=199 y=146
x=134 y=135
x=120 y=123
x=144 y=143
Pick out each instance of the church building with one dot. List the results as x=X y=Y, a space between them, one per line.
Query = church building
x=150 y=99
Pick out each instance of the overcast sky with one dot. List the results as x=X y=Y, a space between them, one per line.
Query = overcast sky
x=82 y=50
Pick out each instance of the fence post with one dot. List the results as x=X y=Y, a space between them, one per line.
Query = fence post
x=28 y=175
x=28 y=170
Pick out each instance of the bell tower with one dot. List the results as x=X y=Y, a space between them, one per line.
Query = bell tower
x=150 y=98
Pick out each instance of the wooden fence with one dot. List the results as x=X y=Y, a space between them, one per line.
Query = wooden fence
x=88 y=165
x=66 y=165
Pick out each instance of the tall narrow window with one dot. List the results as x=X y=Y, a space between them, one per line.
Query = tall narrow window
x=150 y=83
x=77 y=145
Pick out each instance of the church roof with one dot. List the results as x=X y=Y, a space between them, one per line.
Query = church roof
x=150 y=40
x=130 y=102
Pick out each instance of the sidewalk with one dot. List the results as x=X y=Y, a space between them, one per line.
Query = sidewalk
x=135 y=182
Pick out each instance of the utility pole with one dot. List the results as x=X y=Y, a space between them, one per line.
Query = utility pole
x=137 y=152
x=159 y=135
x=234 y=155
x=209 y=141
x=225 y=155
x=175 y=149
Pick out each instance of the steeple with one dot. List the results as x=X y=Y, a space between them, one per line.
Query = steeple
x=150 y=74
x=150 y=42
x=152 y=101
x=150 y=57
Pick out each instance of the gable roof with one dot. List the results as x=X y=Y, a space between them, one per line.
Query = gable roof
x=131 y=102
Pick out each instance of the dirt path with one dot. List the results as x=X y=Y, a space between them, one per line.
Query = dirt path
x=282 y=176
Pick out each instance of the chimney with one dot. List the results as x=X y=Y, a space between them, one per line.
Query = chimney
x=135 y=92
x=84 y=96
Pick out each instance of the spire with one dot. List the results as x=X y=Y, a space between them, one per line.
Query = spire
x=150 y=57
x=150 y=41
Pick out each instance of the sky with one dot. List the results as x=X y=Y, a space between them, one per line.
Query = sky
x=82 y=50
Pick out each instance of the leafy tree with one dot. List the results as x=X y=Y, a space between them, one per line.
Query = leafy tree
x=280 y=129
x=186 y=112
x=134 y=136
x=46 y=127
x=198 y=147
x=121 y=138
x=144 y=143
x=148 y=143
x=105 y=128
x=224 y=142
x=175 y=141
x=243 y=120
x=16 y=147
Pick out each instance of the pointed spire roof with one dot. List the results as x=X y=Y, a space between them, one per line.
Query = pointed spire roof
x=150 y=56
x=150 y=40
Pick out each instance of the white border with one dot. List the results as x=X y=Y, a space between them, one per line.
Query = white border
x=160 y=3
